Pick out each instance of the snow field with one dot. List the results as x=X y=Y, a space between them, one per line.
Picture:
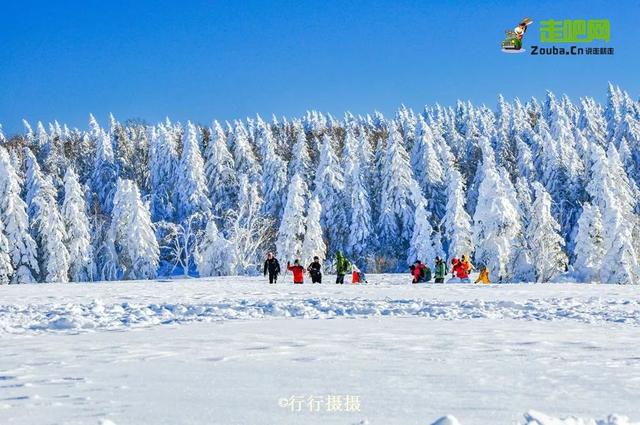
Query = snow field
x=214 y=300
x=227 y=350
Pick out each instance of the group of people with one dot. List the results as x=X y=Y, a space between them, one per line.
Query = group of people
x=343 y=267
x=460 y=270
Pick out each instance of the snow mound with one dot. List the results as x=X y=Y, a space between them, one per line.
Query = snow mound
x=447 y=420
x=536 y=418
x=18 y=318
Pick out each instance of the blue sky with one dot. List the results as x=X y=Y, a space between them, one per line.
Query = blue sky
x=202 y=60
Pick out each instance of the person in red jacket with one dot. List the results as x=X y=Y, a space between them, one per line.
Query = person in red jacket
x=297 y=270
x=416 y=271
x=460 y=270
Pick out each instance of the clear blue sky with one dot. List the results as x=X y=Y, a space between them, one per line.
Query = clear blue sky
x=202 y=60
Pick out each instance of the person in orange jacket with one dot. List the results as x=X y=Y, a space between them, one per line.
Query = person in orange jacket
x=467 y=263
x=484 y=276
x=297 y=270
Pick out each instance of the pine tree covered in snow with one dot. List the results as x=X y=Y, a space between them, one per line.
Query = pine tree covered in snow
x=428 y=170
x=456 y=222
x=105 y=172
x=589 y=243
x=192 y=195
x=46 y=223
x=545 y=242
x=244 y=154
x=496 y=220
x=292 y=226
x=274 y=177
x=13 y=213
x=313 y=244
x=608 y=192
x=361 y=236
x=396 y=210
x=300 y=162
x=78 y=231
x=132 y=233
x=220 y=173
x=425 y=243
x=329 y=188
x=5 y=261
x=163 y=163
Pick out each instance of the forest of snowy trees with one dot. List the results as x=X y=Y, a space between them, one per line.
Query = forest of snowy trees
x=533 y=190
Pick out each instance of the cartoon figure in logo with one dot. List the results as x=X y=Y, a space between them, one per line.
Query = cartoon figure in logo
x=513 y=41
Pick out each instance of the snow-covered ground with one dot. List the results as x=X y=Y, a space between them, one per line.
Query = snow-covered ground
x=239 y=351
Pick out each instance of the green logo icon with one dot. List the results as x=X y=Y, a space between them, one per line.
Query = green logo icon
x=513 y=41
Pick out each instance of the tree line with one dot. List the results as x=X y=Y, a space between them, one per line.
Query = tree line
x=533 y=190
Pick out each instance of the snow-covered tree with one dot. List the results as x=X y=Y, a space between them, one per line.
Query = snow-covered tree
x=396 y=210
x=620 y=263
x=300 y=158
x=105 y=172
x=192 y=195
x=220 y=173
x=163 y=162
x=456 y=221
x=495 y=222
x=244 y=155
x=361 y=226
x=329 y=188
x=249 y=232
x=313 y=244
x=215 y=256
x=22 y=248
x=544 y=240
x=428 y=170
x=133 y=234
x=292 y=227
x=589 y=244
x=274 y=178
x=6 y=270
x=47 y=224
x=425 y=243
x=78 y=231
x=611 y=195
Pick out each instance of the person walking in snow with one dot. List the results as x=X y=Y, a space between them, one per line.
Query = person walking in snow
x=297 y=270
x=315 y=270
x=484 y=276
x=272 y=266
x=460 y=270
x=420 y=272
x=441 y=270
x=343 y=266
x=467 y=263
x=356 y=275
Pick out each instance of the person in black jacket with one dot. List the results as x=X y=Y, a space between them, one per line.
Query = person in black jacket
x=315 y=270
x=272 y=266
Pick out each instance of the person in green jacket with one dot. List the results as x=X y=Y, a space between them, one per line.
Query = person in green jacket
x=441 y=270
x=343 y=266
